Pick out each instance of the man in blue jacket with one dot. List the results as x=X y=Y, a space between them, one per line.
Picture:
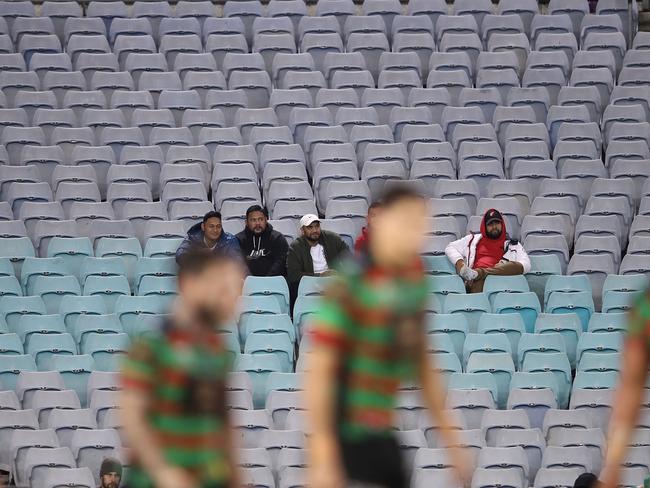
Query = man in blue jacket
x=209 y=234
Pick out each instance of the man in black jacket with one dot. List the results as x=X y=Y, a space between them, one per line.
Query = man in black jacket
x=264 y=249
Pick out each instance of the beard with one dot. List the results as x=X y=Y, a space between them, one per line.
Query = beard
x=313 y=238
x=494 y=234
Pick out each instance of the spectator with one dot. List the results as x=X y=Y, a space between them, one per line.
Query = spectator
x=173 y=400
x=491 y=252
x=315 y=252
x=209 y=234
x=361 y=244
x=110 y=473
x=586 y=480
x=264 y=249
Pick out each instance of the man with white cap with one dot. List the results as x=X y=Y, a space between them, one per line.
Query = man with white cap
x=314 y=253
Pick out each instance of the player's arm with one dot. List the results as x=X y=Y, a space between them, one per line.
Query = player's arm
x=627 y=403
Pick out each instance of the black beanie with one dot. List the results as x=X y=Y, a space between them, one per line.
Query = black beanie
x=110 y=465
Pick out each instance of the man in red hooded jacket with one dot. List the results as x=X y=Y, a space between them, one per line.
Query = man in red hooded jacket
x=491 y=252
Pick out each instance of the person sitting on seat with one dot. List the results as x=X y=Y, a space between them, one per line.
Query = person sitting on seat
x=264 y=249
x=491 y=252
x=209 y=234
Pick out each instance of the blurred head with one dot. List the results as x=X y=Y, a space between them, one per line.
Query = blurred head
x=211 y=226
x=586 y=480
x=209 y=285
x=398 y=230
x=110 y=473
x=373 y=210
x=493 y=224
x=256 y=219
x=310 y=228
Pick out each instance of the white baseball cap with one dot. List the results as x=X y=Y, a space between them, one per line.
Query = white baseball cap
x=308 y=219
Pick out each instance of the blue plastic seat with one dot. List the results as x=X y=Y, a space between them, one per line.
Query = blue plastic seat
x=511 y=325
x=595 y=380
x=259 y=366
x=438 y=265
x=544 y=380
x=509 y=284
x=10 y=344
x=13 y=307
x=446 y=363
x=269 y=324
x=499 y=365
x=34 y=267
x=600 y=362
x=454 y=326
x=567 y=325
x=9 y=286
x=85 y=326
x=52 y=289
x=75 y=371
x=541 y=268
x=130 y=310
x=275 y=286
x=619 y=301
x=105 y=266
x=72 y=306
x=284 y=382
x=164 y=286
x=580 y=303
x=128 y=249
x=471 y=306
x=605 y=322
x=72 y=250
x=556 y=363
x=599 y=343
x=303 y=309
x=525 y=304
x=485 y=343
x=161 y=248
x=12 y=365
x=6 y=268
x=551 y=342
x=312 y=286
x=474 y=381
x=17 y=249
x=441 y=286
x=39 y=324
x=257 y=305
x=439 y=344
x=566 y=284
x=153 y=267
x=107 y=350
x=43 y=346
x=110 y=288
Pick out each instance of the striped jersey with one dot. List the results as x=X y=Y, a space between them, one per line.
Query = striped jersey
x=375 y=318
x=185 y=382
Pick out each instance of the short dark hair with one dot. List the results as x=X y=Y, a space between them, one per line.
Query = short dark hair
x=197 y=259
x=211 y=214
x=375 y=204
x=256 y=208
x=399 y=191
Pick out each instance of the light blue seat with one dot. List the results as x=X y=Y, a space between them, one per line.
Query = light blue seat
x=446 y=363
x=474 y=381
x=568 y=325
x=499 y=365
x=10 y=344
x=595 y=380
x=12 y=365
x=511 y=325
x=312 y=285
x=536 y=381
x=615 y=301
x=551 y=342
x=17 y=249
x=603 y=322
x=110 y=288
x=160 y=266
x=471 y=306
x=13 y=307
x=441 y=286
x=303 y=309
x=600 y=362
x=525 y=304
x=85 y=326
x=274 y=286
x=75 y=371
x=34 y=267
x=542 y=267
x=148 y=325
x=72 y=306
x=599 y=343
x=268 y=324
x=278 y=344
x=9 y=286
x=257 y=305
x=453 y=325
x=439 y=344
x=130 y=310
x=487 y=344
x=128 y=249
x=433 y=305
x=231 y=343
x=6 y=268
x=156 y=247
x=580 y=303
x=102 y=267
x=72 y=250
x=259 y=367
x=39 y=324
x=284 y=382
x=53 y=288
x=43 y=346
x=628 y=283
x=558 y=364
x=566 y=284
x=164 y=286
x=509 y=284
x=438 y=265
x=107 y=350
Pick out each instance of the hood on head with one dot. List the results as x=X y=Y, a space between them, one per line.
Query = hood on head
x=493 y=214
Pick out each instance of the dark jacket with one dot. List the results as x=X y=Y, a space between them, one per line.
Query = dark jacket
x=226 y=242
x=299 y=262
x=266 y=254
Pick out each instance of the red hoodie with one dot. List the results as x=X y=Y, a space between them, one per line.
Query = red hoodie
x=489 y=251
x=361 y=244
